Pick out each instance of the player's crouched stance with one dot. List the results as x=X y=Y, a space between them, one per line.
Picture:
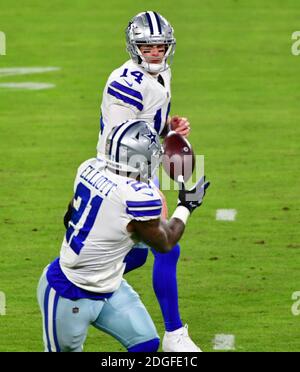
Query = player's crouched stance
x=114 y=205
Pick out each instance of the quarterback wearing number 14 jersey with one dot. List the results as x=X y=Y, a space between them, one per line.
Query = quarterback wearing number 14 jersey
x=141 y=94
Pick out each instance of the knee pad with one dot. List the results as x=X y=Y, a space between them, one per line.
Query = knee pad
x=150 y=346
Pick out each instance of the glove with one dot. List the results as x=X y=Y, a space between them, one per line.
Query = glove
x=68 y=215
x=192 y=199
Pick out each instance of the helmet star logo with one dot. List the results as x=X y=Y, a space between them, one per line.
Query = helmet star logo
x=151 y=137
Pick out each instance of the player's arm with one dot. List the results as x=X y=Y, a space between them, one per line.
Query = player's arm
x=122 y=99
x=179 y=124
x=119 y=113
x=167 y=128
x=162 y=236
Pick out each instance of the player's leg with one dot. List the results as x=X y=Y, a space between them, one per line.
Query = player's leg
x=164 y=281
x=125 y=318
x=166 y=290
x=65 y=322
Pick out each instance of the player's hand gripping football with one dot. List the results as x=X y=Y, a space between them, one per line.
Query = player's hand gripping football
x=180 y=125
x=192 y=199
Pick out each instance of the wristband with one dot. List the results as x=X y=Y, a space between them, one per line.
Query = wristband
x=182 y=213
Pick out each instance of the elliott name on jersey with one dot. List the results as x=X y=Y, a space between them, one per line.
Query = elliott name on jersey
x=97 y=241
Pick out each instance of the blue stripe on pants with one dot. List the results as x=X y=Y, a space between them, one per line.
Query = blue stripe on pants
x=46 y=300
x=54 y=322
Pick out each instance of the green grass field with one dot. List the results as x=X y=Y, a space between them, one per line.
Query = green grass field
x=236 y=79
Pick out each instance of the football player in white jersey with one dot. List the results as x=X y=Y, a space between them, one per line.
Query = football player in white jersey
x=140 y=89
x=115 y=203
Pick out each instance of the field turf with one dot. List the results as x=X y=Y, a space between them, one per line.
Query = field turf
x=235 y=78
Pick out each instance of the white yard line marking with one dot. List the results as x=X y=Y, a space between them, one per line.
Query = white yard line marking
x=226 y=214
x=28 y=86
x=2 y=303
x=224 y=342
x=2 y=44
x=13 y=71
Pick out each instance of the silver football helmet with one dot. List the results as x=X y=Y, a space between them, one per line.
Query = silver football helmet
x=133 y=148
x=150 y=28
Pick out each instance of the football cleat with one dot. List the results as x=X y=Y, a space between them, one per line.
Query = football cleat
x=179 y=341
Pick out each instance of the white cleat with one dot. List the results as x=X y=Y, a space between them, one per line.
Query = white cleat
x=179 y=341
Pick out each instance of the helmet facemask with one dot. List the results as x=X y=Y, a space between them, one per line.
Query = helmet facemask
x=156 y=67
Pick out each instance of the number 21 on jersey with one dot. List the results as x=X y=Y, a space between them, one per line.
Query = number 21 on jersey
x=83 y=194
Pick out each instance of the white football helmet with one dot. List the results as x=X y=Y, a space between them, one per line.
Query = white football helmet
x=148 y=28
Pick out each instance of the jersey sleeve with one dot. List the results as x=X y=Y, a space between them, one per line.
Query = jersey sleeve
x=125 y=91
x=86 y=164
x=119 y=114
x=142 y=202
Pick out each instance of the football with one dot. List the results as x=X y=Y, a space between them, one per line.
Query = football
x=178 y=158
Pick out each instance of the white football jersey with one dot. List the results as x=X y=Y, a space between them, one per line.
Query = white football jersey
x=147 y=97
x=97 y=240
